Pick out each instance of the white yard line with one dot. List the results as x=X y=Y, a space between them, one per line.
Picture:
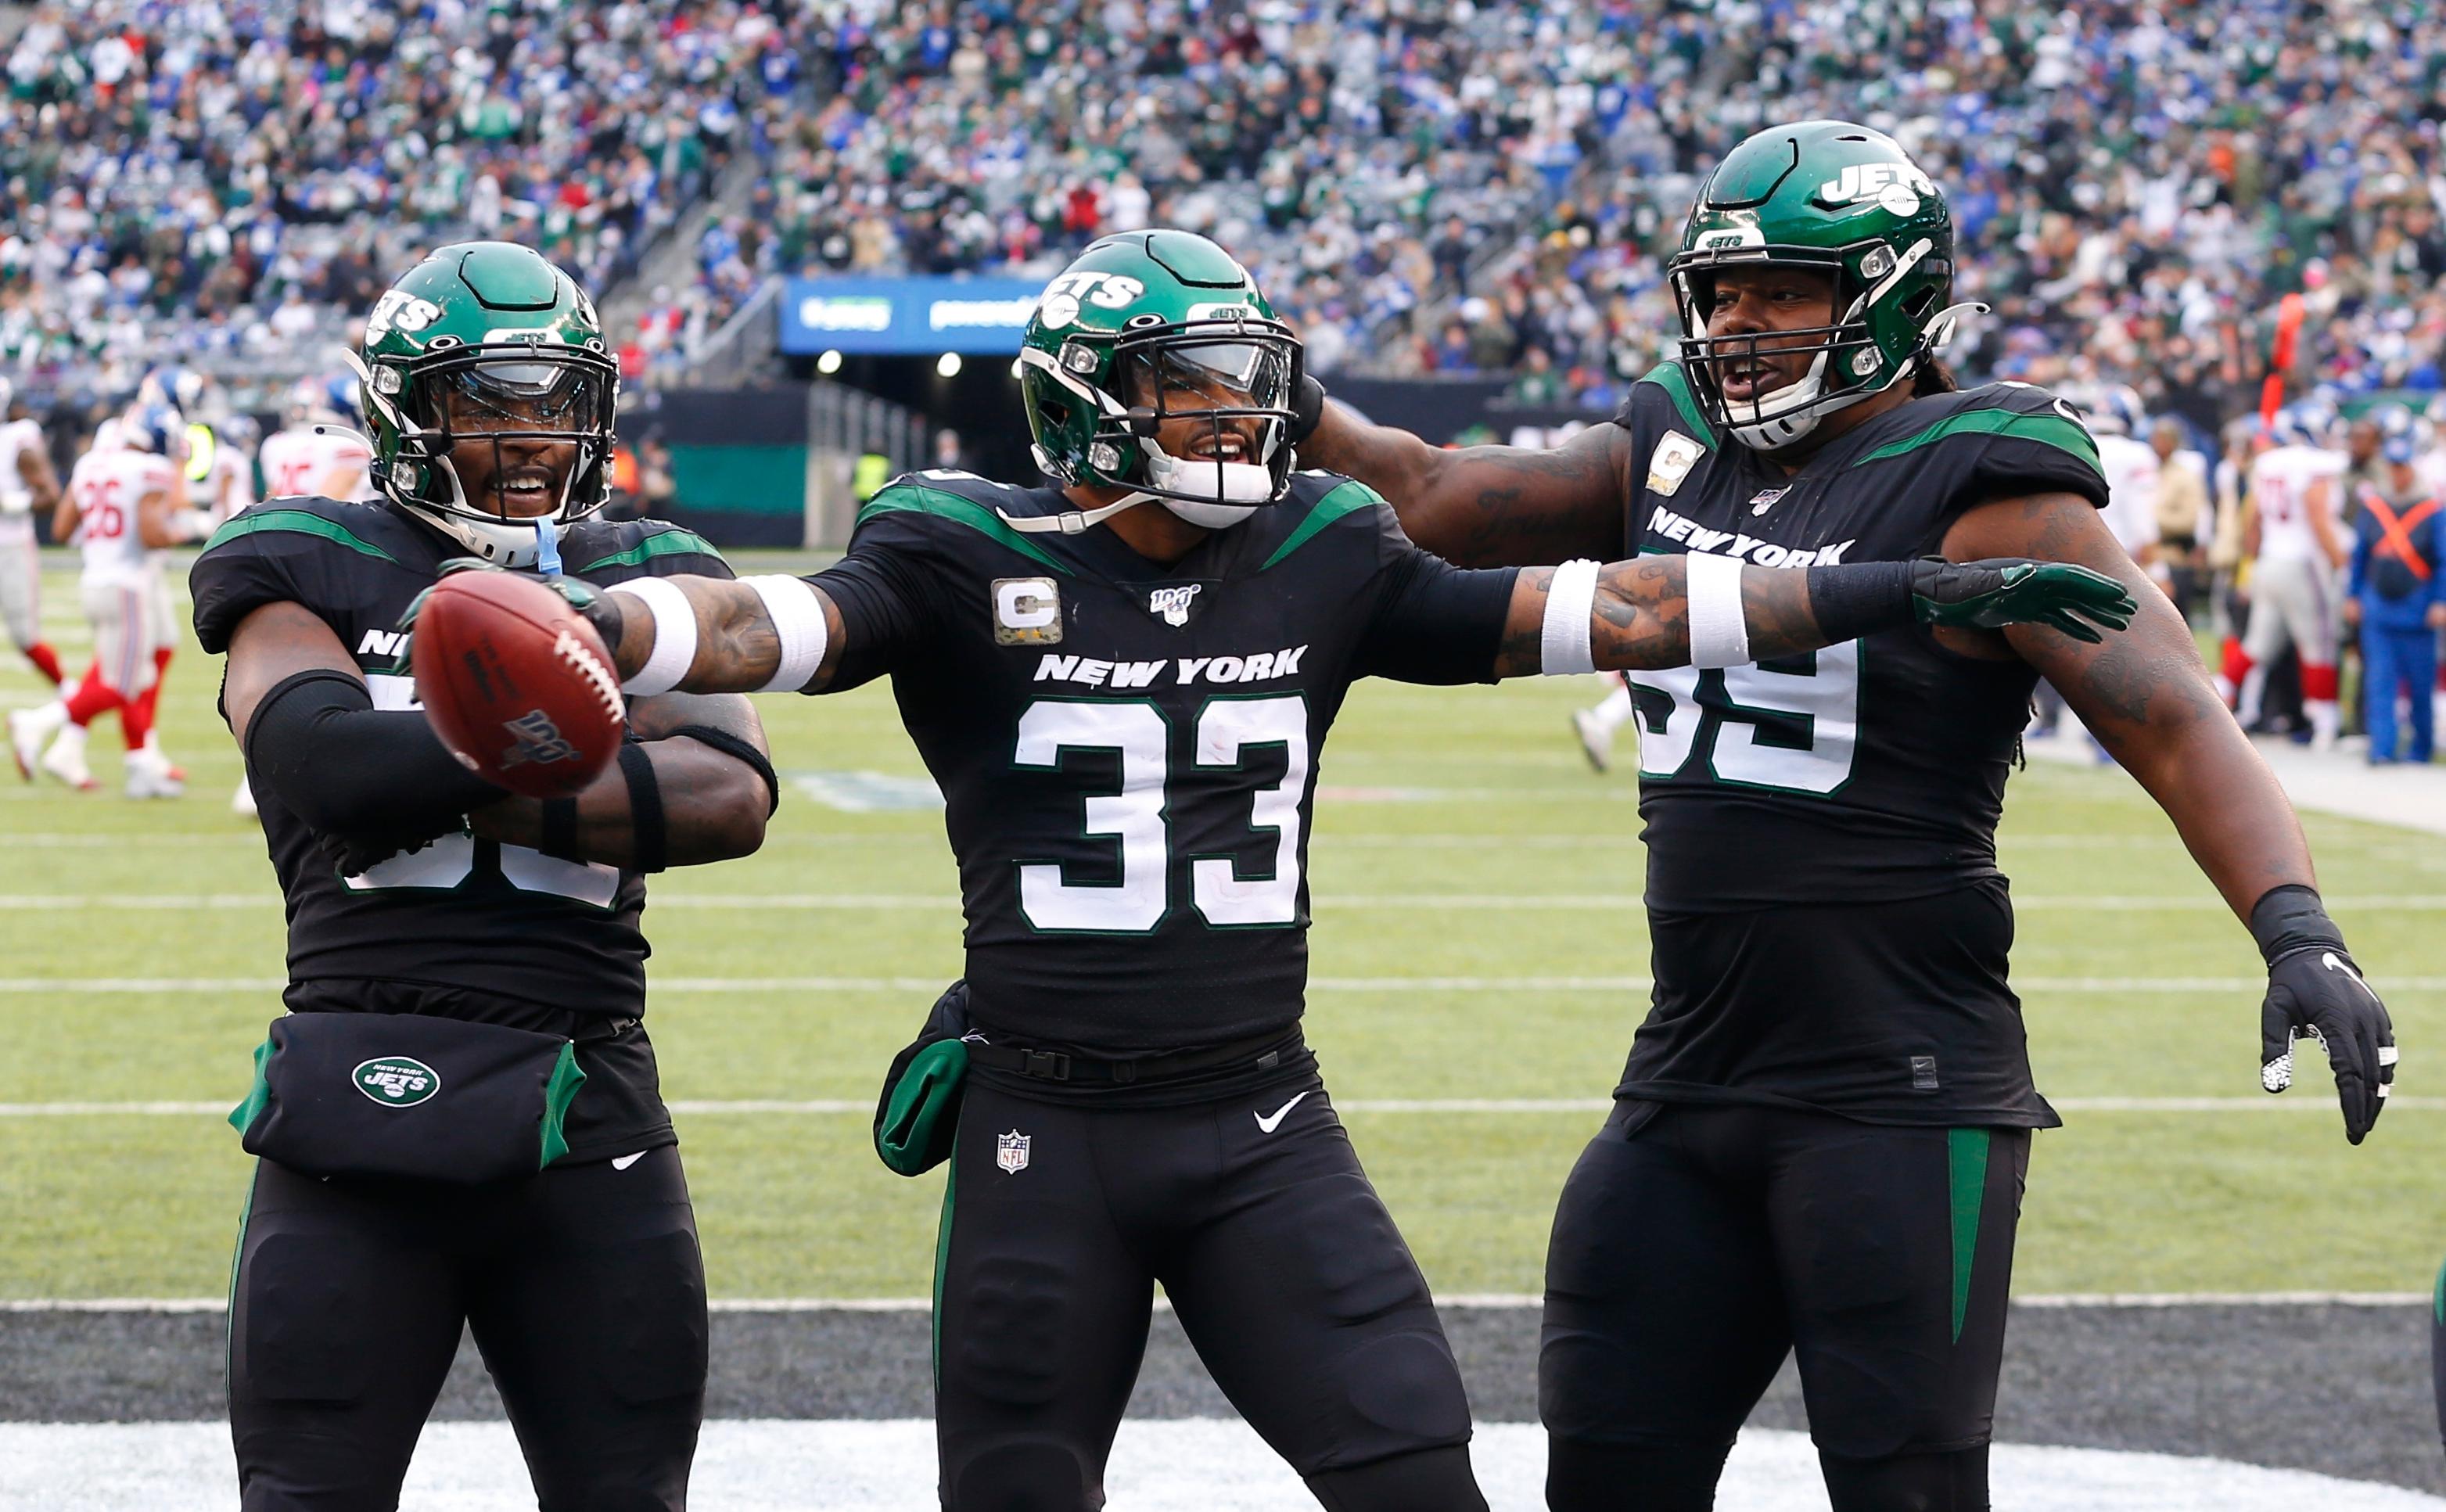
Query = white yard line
x=717 y=985
x=829 y=1106
x=1453 y=1301
x=944 y=902
x=1158 y=1465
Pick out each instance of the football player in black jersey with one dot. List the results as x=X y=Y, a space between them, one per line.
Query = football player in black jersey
x=1124 y=707
x=415 y=888
x=1820 y=1136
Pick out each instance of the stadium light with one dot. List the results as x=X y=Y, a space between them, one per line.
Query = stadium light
x=947 y=365
x=829 y=362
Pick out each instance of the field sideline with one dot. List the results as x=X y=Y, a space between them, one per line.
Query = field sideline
x=1481 y=962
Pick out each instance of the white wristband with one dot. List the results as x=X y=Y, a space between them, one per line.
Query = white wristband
x=1720 y=631
x=675 y=650
x=1563 y=640
x=798 y=619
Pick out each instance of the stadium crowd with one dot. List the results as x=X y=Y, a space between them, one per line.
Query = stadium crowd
x=217 y=183
x=2134 y=189
x=1491 y=189
x=1427 y=187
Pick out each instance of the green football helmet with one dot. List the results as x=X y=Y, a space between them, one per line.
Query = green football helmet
x=1138 y=322
x=492 y=324
x=1840 y=200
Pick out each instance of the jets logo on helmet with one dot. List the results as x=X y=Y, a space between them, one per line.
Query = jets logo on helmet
x=491 y=326
x=1149 y=327
x=1849 y=204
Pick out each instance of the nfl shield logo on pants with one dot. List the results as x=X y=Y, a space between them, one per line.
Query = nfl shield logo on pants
x=1011 y=1151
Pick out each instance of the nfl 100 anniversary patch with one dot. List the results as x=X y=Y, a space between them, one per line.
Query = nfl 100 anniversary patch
x=1026 y=612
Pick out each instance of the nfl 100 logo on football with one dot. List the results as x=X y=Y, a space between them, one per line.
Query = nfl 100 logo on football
x=1010 y=1152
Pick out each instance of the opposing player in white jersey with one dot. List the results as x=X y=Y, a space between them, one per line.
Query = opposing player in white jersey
x=319 y=454
x=2116 y=421
x=121 y=502
x=2298 y=548
x=27 y=484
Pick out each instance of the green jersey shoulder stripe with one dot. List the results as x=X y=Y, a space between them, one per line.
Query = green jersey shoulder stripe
x=964 y=511
x=672 y=541
x=1676 y=384
x=298 y=521
x=2048 y=430
x=1347 y=497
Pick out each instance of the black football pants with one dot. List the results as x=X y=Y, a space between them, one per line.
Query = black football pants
x=1283 y=1265
x=583 y=1288
x=1697 y=1246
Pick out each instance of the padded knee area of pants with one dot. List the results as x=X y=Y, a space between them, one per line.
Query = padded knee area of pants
x=311 y=1334
x=1948 y=1481
x=1409 y=1384
x=1037 y=1477
x=1582 y=1477
x=1428 y=1481
x=1012 y=1331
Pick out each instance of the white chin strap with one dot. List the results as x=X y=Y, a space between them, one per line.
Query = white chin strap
x=1226 y=484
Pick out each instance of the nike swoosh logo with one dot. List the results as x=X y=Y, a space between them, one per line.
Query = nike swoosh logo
x=1267 y=1125
x=623 y=1161
x=2328 y=959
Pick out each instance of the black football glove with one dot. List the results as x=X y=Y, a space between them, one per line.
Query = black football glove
x=2314 y=989
x=2014 y=590
x=579 y=595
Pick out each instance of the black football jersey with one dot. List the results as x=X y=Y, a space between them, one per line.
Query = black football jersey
x=460 y=927
x=1866 y=773
x=1128 y=751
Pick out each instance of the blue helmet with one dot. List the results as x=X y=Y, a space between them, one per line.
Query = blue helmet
x=2308 y=424
x=153 y=427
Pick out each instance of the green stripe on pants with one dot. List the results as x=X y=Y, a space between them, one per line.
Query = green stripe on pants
x=943 y=1256
x=1965 y=1171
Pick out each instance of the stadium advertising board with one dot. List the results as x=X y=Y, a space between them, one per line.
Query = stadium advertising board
x=905 y=317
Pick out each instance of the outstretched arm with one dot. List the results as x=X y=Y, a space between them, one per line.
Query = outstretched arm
x=1487 y=506
x=2147 y=698
x=717 y=636
x=1675 y=611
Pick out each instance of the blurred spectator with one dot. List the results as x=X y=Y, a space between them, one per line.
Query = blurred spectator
x=232 y=185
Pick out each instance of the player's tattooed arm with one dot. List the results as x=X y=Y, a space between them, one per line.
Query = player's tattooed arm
x=1487 y=506
x=714 y=803
x=2147 y=697
x=1640 y=616
x=739 y=648
x=1677 y=611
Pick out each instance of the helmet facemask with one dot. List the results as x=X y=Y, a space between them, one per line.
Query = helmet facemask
x=1233 y=379
x=516 y=392
x=1850 y=362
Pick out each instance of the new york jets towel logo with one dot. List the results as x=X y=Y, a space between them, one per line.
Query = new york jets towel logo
x=395 y=1081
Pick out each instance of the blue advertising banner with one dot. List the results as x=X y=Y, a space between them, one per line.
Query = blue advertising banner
x=905 y=316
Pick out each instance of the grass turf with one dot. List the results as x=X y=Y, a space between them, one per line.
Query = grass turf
x=1476 y=793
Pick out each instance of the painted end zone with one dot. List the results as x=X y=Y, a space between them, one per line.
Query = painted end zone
x=1193 y=1465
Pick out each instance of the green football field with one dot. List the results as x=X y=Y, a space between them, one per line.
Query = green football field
x=1479 y=946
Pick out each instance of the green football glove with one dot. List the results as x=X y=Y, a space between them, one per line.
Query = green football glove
x=2014 y=590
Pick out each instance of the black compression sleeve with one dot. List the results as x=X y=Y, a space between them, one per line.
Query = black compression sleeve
x=1860 y=598
x=318 y=744
x=739 y=750
x=649 y=832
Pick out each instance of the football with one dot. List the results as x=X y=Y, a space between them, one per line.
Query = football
x=517 y=685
